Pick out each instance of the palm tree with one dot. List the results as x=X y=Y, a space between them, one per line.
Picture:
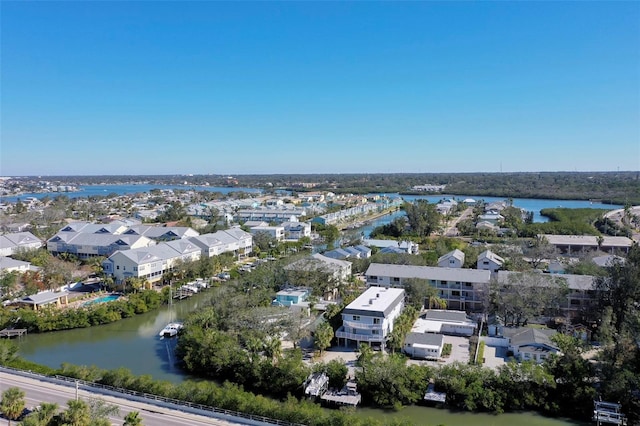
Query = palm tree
x=42 y=415
x=132 y=419
x=77 y=413
x=12 y=404
x=437 y=302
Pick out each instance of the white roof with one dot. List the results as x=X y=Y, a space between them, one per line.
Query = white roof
x=376 y=299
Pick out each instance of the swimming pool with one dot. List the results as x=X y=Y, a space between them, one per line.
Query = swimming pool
x=103 y=299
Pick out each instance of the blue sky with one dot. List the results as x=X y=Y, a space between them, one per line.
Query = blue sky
x=318 y=87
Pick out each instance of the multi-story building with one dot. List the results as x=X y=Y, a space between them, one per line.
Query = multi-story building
x=370 y=318
x=463 y=289
x=12 y=243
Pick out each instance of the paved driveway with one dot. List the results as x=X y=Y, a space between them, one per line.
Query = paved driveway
x=459 y=349
x=494 y=356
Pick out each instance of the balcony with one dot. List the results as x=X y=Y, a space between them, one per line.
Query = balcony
x=361 y=325
x=341 y=334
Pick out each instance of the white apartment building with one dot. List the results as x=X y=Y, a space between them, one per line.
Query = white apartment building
x=370 y=317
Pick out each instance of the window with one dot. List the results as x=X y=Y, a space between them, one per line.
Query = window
x=396 y=280
x=356 y=317
x=118 y=267
x=135 y=268
x=455 y=293
x=373 y=278
x=375 y=331
x=376 y=320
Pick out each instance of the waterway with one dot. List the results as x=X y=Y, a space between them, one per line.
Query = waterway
x=529 y=204
x=428 y=416
x=132 y=343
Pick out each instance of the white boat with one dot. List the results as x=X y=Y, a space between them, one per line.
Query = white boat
x=171 y=329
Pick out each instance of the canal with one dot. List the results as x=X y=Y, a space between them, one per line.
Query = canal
x=134 y=343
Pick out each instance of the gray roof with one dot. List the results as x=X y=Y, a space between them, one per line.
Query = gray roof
x=9 y=263
x=488 y=254
x=99 y=240
x=431 y=339
x=445 y=315
x=44 y=297
x=573 y=282
x=525 y=336
x=183 y=246
x=456 y=254
x=429 y=273
x=587 y=240
x=607 y=261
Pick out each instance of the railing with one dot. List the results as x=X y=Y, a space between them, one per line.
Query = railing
x=360 y=337
x=360 y=325
x=148 y=397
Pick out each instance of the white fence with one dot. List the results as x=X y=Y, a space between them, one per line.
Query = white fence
x=499 y=342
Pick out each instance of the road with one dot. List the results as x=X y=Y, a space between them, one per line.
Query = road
x=39 y=391
x=450 y=230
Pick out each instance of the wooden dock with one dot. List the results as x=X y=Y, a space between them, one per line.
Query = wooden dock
x=13 y=332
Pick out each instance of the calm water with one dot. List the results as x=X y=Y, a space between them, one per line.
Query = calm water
x=427 y=416
x=528 y=204
x=134 y=343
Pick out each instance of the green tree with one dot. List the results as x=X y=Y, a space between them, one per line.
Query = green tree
x=13 y=403
x=132 y=419
x=78 y=413
x=43 y=415
x=423 y=218
x=337 y=372
x=323 y=336
x=100 y=410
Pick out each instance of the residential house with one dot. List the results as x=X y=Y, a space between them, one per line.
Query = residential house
x=489 y=261
x=296 y=230
x=291 y=296
x=162 y=233
x=492 y=218
x=530 y=344
x=8 y=265
x=12 y=243
x=453 y=259
x=269 y=215
x=370 y=317
x=150 y=263
x=276 y=232
x=453 y=323
x=233 y=240
x=463 y=289
x=423 y=345
x=86 y=245
x=406 y=246
x=333 y=271
x=338 y=254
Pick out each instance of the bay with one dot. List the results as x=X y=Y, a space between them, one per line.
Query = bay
x=534 y=205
